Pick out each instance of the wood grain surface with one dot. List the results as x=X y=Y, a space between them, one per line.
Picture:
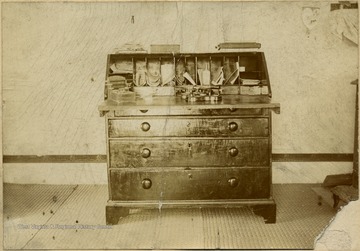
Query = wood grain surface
x=172 y=152
x=188 y=126
x=194 y=184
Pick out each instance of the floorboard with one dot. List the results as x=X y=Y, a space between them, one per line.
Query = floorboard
x=78 y=222
x=27 y=207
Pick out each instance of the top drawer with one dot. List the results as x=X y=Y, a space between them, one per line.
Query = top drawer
x=193 y=127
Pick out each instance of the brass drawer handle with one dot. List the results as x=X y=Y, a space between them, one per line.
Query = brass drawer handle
x=233 y=126
x=146 y=183
x=233 y=151
x=145 y=153
x=145 y=126
x=233 y=182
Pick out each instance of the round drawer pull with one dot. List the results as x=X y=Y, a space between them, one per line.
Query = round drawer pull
x=145 y=153
x=233 y=182
x=233 y=151
x=145 y=126
x=233 y=126
x=146 y=183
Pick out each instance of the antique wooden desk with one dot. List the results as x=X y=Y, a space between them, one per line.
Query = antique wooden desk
x=164 y=150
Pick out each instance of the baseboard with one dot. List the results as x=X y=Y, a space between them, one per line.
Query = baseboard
x=101 y=158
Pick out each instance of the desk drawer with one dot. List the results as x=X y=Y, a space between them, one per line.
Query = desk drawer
x=193 y=127
x=196 y=184
x=172 y=152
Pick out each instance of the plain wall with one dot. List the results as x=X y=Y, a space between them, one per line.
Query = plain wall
x=54 y=59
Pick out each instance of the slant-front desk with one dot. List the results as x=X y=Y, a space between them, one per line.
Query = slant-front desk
x=188 y=130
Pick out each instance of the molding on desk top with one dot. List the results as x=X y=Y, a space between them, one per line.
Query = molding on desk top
x=173 y=102
x=101 y=158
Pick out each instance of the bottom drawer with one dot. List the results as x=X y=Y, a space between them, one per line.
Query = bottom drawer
x=194 y=184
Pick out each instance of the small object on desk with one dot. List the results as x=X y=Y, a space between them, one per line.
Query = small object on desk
x=215 y=97
x=192 y=99
x=121 y=95
x=117 y=78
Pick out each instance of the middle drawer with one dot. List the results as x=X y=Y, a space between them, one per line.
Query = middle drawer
x=173 y=152
x=192 y=127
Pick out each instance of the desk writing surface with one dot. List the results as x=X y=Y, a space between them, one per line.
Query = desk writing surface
x=228 y=101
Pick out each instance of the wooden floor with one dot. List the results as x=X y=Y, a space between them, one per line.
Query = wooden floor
x=72 y=217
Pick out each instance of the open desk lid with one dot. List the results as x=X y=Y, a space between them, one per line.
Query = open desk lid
x=242 y=73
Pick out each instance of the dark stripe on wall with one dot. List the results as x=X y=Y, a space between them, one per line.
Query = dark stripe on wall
x=312 y=157
x=54 y=158
x=100 y=158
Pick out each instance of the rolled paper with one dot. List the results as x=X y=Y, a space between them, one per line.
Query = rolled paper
x=206 y=76
x=153 y=73
x=220 y=79
x=190 y=68
x=180 y=69
x=122 y=66
x=250 y=81
x=236 y=72
x=167 y=73
x=200 y=71
x=140 y=78
x=152 y=80
x=189 y=78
